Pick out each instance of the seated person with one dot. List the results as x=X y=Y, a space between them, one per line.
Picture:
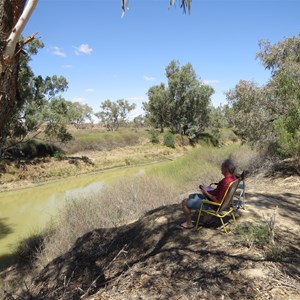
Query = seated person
x=215 y=195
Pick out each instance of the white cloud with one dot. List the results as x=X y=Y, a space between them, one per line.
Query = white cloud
x=67 y=66
x=136 y=98
x=210 y=81
x=79 y=99
x=58 y=51
x=83 y=49
x=149 y=78
x=90 y=90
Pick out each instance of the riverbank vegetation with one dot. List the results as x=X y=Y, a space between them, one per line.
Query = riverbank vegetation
x=128 y=199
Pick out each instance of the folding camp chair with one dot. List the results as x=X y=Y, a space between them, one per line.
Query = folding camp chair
x=239 y=199
x=222 y=209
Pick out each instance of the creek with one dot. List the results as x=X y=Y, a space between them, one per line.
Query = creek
x=25 y=212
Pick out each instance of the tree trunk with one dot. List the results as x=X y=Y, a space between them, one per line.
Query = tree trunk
x=10 y=12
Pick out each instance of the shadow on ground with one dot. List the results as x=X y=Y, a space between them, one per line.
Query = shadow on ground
x=4 y=228
x=152 y=259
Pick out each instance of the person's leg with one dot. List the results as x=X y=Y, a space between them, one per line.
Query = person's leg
x=193 y=202
x=187 y=213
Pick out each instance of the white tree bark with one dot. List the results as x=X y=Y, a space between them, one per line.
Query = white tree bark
x=13 y=38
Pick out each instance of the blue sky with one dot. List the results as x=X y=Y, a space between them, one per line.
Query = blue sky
x=104 y=56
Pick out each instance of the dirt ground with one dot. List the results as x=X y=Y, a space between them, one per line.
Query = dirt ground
x=152 y=259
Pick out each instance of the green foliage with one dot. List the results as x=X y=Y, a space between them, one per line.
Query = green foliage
x=268 y=116
x=113 y=114
x=183 y=106
x=209 y=139
x=289 y=134
x=40 y=107
x=99 y=140
x=139 y=121
x=201 y=165
x=157 y=108
x=154 y=136
x=59 y=155
x=217 y=120
x=274 y=253
x=169 y=140
x=254 y=234
x=79 y=113
x=260 y=234
x=182 y=140
x=37 y=148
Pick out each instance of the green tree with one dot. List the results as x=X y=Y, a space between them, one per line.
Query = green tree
x=139 y=121
x=251 y=118
x=40 y=107
x=217 y=117
x=113 y=114
x=157 y=108
x=79 y=113
x=184 y=105
x=13 y=19
x=269 y=116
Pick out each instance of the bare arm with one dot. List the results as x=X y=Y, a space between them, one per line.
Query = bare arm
x=208 y=195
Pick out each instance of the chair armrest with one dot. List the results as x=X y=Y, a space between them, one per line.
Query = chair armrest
x=211 y=202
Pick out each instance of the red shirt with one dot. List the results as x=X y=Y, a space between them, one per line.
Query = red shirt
x=220 y=190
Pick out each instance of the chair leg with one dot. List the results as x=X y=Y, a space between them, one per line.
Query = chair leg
x=198 y=218
x=234 y=219
x=223 y=226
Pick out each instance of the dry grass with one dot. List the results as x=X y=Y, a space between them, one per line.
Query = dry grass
x=99 y=140
x=132 y=197
x=38 y=170
x=202 y=165
x=110 y=207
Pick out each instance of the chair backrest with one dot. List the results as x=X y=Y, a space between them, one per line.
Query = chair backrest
x=242 y=176
x=227 y=198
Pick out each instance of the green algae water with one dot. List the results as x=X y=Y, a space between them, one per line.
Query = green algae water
x=27 y=211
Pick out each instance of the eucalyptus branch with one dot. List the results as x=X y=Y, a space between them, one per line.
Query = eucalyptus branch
x=26 y=41
x=14 y=36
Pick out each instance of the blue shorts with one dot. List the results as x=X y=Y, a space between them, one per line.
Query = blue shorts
x=194 y=201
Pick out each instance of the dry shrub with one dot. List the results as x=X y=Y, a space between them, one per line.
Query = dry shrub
x=247 y=159
x=102 y=141
x=132 y=197
x=109 y=207
x=28 y=249
x=254 y=162
x=244 y=158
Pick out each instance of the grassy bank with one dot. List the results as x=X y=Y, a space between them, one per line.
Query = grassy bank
x=131 y=197
x=202 y=165
x=92 y=150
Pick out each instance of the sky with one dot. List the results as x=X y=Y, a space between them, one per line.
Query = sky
x=106 y=56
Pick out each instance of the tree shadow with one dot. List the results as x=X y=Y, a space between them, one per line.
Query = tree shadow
x=151 y=253
x=288 y=203
x=4 y=228
x=6 y=261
